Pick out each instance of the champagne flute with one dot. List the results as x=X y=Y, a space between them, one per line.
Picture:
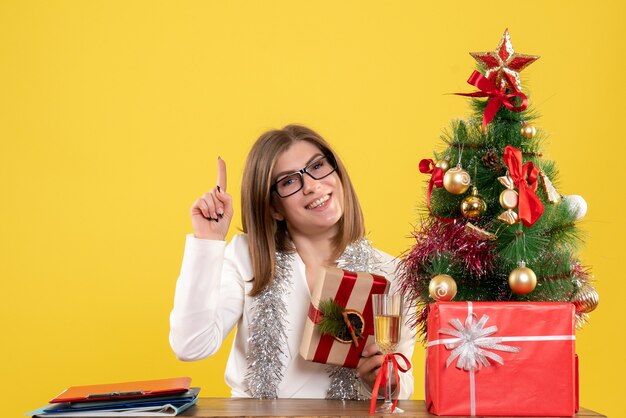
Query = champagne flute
x=387 y=324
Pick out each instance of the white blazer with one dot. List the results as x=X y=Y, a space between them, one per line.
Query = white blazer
x=212 y=297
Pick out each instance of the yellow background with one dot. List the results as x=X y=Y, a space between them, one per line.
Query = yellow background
x=113 y=113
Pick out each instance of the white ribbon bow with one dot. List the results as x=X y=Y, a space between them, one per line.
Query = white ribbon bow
x=473 y=342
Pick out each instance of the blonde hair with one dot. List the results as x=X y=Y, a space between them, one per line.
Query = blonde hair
x=267 y=235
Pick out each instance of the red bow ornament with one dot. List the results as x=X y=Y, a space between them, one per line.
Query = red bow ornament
x=524 y=178
x=497 y=97
x=427 y=166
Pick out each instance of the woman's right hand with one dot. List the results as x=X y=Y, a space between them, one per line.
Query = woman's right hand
x=212 y=213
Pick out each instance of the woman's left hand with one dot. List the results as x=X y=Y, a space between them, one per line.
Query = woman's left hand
x=368 y=369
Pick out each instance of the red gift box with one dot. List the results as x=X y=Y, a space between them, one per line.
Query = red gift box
x=352 y=291
x=501 y=358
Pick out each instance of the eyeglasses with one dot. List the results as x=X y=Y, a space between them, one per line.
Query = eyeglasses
x=294 y=182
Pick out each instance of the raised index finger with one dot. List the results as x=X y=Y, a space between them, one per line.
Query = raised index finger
x=221 y=174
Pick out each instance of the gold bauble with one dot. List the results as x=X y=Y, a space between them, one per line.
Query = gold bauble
x=442 y=288
x=528 y=131
x=456 y=180
x=509 y=199
x=443 y=164
x=473 y=206
x=522 y=280
x=586 y=299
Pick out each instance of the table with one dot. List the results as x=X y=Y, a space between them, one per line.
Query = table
x=240 y=407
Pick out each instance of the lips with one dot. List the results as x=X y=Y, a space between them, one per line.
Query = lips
x=318 y=202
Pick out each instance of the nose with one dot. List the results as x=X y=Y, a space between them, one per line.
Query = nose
x=309 y=184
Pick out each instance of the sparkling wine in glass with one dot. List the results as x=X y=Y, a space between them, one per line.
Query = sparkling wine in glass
x=387 y=324
x=387 y=329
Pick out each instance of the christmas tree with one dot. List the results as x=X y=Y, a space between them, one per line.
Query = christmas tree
x=496 y=228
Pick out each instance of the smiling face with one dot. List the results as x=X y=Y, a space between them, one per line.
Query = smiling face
x=315 y=209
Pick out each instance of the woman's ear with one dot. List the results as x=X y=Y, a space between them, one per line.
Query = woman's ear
x=276 y=213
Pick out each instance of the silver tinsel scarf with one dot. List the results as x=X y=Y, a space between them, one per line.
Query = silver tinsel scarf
x=267 y=344
x=268 y=341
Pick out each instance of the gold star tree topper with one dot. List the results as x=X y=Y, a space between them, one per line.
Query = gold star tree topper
x=504 y=64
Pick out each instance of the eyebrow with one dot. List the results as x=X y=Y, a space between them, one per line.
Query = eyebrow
x=285 y=173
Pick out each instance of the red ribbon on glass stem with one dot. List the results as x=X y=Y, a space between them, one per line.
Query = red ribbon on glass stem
x=427 y=166
x=529 y=207
x=383 y=375
x=497 y=97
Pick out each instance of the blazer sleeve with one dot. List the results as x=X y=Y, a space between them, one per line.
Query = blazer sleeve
x=209 y=296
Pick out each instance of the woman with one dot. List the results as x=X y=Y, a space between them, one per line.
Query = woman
x=300 y=213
